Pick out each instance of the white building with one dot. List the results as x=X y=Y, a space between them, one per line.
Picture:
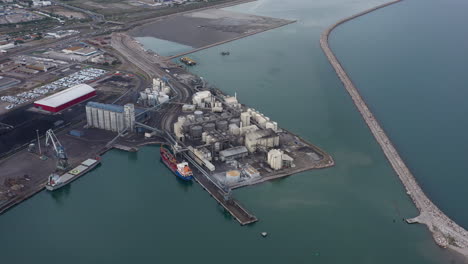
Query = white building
x=278 y=160
x=261 y=138
x=37 y=3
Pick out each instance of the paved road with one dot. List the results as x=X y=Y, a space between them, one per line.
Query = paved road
x=443 y=228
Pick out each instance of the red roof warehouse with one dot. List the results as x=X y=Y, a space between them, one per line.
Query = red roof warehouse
x=66 y=98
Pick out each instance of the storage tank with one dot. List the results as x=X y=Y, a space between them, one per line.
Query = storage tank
x=234 y=129
x=232 y=176
x=209 y=127
x=196 y=131
x=198 y=114
x=235 y=121
x=222 y=125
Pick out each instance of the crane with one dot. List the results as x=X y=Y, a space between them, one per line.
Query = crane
x=62 y=162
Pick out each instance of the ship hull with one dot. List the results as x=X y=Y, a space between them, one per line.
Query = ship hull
x=176 y=173
x=166 y=158
x=59 y=185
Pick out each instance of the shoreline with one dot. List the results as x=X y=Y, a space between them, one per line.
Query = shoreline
x=446 y=232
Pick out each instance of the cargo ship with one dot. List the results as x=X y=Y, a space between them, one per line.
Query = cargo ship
x=188 y=61
x=180 y=169
x=56 y=181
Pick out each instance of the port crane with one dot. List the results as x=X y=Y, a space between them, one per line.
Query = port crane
x=62 y=159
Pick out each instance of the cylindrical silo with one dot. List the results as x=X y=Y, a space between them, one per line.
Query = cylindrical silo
x=209 y=127
x=222 y=125
x=196 y=131
x=198 y=114
x=235 y=121
x=232 y=176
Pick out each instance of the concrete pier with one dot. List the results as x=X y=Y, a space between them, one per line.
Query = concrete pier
x=445 y=231
x=232 y=206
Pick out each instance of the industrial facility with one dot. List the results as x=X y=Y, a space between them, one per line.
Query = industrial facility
x=110 y=117
x=157 y=94
x=235 y=144
x=66 y=98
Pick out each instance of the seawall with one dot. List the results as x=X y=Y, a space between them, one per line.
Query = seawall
x=445 y=231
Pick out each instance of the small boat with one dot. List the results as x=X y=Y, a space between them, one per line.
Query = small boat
x=56 y=181
x=225 y=53
x=180 y=169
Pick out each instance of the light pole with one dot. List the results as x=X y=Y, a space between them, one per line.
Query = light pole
x=39 y=143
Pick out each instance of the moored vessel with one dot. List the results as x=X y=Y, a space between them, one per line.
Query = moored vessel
x=180 y=169
x=56 y=181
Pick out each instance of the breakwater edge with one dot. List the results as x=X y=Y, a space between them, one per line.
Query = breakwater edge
x=445 y=231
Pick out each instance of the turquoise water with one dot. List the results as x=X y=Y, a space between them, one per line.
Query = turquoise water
x=163 y=47
x=132 y=210
x=409 y=62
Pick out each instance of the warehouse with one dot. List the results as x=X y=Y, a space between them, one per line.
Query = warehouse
x=66 y=98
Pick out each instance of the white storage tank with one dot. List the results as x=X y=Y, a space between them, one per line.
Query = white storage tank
x=232 y=176
x=234 y=129
x=198 y=114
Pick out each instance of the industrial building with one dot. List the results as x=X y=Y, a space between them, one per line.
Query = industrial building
x=156 y=95
x=228 y=139
x=233 y=153
x=278 y=160
x=111 y=117
x=261 y=138
x=66 y=98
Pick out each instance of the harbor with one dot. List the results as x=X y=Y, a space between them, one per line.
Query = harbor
x=133 y=208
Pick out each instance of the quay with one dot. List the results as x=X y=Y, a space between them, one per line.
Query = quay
x=125 y=148
x=220 y=195
x=445 y=231
x=231 y=205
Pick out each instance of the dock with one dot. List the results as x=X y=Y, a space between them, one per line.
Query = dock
x=231 y=205
x=125 y=148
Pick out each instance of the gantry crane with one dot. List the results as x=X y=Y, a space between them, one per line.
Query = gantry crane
x=62 y=159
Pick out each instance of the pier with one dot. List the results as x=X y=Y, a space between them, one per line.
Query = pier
x=230 y=205
x=220 y=195
x=445 y=231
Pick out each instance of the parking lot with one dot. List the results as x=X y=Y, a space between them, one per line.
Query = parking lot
x=82 y=76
